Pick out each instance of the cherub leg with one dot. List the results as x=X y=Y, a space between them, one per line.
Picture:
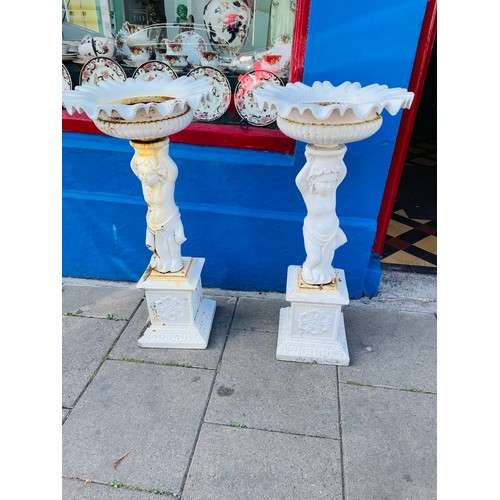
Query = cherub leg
x=175 y=241
x=313 y=260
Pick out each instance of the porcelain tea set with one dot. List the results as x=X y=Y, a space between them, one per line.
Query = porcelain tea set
x=134 y=45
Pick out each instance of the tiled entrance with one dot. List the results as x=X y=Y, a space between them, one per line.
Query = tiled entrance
x=411 y=242
x=411 y=239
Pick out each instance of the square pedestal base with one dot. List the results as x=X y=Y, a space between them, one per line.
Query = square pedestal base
x=180 y=317
x=312 y=329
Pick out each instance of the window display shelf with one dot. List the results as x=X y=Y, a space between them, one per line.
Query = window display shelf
x=246 y=28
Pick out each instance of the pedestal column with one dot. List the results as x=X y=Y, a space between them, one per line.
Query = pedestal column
x=312 y=329
x=180 y=317
x=147 y=112
x=325 y=117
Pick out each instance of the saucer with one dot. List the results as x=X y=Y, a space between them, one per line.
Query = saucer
x=133 y=64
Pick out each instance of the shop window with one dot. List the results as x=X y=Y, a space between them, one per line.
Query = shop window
x=247 y=41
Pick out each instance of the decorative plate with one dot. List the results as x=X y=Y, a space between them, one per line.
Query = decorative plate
x=221 y=93
x=67 y=84
x=245 y=102
x=152 y=69
x=101 y=68
x=193 y=45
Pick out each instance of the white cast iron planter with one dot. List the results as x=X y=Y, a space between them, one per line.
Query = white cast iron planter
x=326 y=118
x=146 y=113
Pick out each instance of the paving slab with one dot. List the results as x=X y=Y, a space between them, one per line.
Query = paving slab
x=155 y=411
x=389 y=443
x=127 y=347
x=85 y=342
x=75 y=489
x=404 y=291
x=234 y=464
x=255 y=389
x=390 y=348
x=101 y=301
x=258 y=314
x=65 y=413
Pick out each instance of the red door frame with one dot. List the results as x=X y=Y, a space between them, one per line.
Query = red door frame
x=416 y=85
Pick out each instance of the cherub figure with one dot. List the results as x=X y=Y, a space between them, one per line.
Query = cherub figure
x=165 y=233
x=317 y=182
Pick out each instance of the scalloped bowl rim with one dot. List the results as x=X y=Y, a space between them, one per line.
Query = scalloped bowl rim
x=322 y=99
x=92 y=99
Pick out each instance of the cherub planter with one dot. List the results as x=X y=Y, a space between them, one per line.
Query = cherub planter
x=326 y=118
x=146 y=113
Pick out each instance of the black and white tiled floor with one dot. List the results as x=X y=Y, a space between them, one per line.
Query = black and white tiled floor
x=411 y=240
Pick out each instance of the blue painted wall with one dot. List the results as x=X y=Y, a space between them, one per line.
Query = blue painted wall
x=241 y=209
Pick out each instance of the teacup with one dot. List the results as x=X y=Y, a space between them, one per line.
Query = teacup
x=174 y=48
x=86 y=47
x=270 y=62
x=177 y=60
x=209 y=58
x=104 y=46
x=137 y=55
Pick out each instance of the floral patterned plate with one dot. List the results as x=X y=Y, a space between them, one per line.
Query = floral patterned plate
x=245 y=102
x=221 y=93
x=67 y=84
x=193 y=45
x=152 y=69
x=101 y=68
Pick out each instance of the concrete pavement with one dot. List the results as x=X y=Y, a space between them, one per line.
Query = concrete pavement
x=231 y=422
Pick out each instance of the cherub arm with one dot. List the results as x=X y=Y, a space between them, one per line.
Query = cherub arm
x=301 y=179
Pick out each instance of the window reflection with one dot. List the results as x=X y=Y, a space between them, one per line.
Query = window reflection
x=233 y=36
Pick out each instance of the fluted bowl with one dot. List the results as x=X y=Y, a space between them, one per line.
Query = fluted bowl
x=138 y=109
x=325 y=115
